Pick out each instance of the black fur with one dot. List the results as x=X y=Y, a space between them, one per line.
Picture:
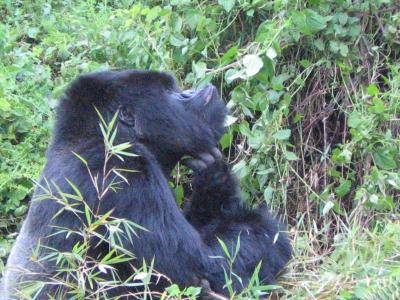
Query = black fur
x=163 y=124
x=217 y=211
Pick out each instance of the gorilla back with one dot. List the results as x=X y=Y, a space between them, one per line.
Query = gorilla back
x=162 y=124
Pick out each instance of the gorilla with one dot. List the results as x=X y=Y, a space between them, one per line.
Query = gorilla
x=163 y=125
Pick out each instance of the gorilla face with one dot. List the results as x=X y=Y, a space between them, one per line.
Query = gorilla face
x=206 y=104
x=152 y=110
x=170 y=122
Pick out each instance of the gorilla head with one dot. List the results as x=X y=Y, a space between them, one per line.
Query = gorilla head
x=153 y=110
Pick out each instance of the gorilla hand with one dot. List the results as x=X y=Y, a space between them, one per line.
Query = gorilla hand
x=203 y=160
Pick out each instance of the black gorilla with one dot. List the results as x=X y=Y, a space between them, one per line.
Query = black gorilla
x=163 y=124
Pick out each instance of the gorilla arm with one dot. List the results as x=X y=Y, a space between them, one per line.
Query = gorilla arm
x=174 y=244
x=217 y=210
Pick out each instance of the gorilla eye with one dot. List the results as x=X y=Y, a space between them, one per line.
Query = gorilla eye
x=126 y=116
x=186 y=95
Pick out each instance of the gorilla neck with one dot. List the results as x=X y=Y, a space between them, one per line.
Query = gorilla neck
x=166 y=160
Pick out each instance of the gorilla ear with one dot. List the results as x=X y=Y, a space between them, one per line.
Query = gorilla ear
x=126 y=116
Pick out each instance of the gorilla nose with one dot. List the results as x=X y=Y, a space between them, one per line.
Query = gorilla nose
x=199 y=97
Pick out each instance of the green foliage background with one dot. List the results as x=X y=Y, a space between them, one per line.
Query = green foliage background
x=314 y=93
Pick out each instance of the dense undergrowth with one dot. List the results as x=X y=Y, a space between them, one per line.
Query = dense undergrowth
x=314 y=93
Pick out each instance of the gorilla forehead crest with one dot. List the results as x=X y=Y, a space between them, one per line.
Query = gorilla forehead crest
x=93 y=87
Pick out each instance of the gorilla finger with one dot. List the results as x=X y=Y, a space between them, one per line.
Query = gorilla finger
x=207 y=158
x=195 y=164
x=216 y=153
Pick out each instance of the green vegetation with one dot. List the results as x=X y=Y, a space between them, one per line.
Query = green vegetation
x=314 y=92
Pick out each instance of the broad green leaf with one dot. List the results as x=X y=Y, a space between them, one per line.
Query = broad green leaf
x=342 y=18
x=377 y=107
x=343 y=49
x=373 y=90
x=271 y=53
x=177 y=40
x=229 y=55
x=283 y=134
x=268 y=194
x=273 y=96
x=199 y=69
x=253 y=64
x=173 y=290
x=227 y=4
x=305 y=63
x=33 y=32
x=4 y=105
x=176 y=23
x=334 y=46
x=319 y=44
x=373 y=199
x=153 y=13
x=308 y=21
x=229 y=120
x=278 y=81
x=355 y=119
x=192 y=18
x=291 y=155
x=241 y=169
x=20 y=211
x=343 y=188
x=233 y=74
x=385 y=158
x=266 y=31
x=192 y=291
x=226 y=140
